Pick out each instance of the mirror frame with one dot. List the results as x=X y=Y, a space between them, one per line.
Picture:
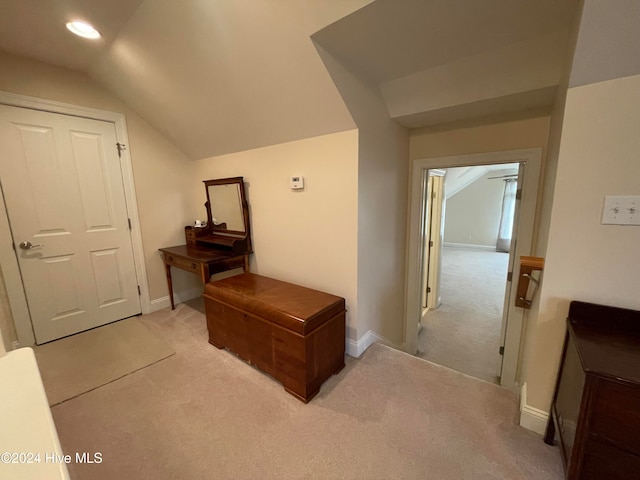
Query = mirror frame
x=243 y=202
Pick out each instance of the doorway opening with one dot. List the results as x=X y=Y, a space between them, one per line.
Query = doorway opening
x=423 y=229
x=469 y=218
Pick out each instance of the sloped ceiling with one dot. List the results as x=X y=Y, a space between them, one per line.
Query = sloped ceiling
x=459 y=178
x=223 y=76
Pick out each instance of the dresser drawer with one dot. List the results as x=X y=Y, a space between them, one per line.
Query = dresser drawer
x=616 y=414
x=190 y=235
x=605 y=462
x=183 y=263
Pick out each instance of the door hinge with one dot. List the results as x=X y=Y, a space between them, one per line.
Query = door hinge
x=129 y=220
x=518 y=194
x=431 y=243
x=501 y=350
x=428 y=289
x=139 y=291
x=121 y=147
x=509 y=276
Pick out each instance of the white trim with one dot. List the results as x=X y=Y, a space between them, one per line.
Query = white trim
x=178 y=297
x=532 y=418
x=15 y=291
x=355 y=349
x=42 y=104
x=17 y=297
x=532 y=158
x=470 y=246
x=132 y=211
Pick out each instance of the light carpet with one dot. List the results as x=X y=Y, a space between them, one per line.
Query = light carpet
x=464 y=332
x=80 y=363
x=205 y=414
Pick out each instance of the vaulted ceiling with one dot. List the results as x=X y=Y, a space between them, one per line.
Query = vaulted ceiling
x=223 y=76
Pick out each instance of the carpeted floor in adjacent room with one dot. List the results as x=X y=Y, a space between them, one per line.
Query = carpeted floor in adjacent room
x=463 y=333
x=204 y=414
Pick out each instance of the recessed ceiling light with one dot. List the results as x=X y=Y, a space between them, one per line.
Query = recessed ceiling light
x=83 y=29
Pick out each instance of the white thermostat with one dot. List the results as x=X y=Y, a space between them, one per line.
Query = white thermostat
x=296 y=183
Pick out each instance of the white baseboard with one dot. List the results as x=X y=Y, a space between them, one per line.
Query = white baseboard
x=355 y=349
x=470 y=245
x=532 y=418
x=178 y=297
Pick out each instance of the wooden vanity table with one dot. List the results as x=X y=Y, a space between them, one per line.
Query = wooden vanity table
x=223 y=244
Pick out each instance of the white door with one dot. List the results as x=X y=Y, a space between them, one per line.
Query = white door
x=433 y=239
x=426 y=238
x=437 y=238
x=508 y=308
x=62 y=182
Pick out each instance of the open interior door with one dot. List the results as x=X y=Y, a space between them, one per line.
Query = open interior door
x=509 y=310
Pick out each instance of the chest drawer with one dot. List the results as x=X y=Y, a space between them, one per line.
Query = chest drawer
x=616 y=415
x=183 y=263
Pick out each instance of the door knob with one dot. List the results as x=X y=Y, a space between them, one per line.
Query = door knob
x=28 y=245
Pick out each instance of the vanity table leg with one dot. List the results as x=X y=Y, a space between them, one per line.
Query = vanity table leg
x=205 y=273
x=167 y=269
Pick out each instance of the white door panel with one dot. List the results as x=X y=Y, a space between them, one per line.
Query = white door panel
x=63 y=190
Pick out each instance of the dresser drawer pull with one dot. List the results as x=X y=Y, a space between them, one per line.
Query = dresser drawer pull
x=193 y=265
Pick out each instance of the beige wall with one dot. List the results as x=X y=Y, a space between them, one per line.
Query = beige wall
x=306 y=237
x=382 y=216
x=546 y=202
x=162 y=173
x=488 y=137
x=7 y=329
x=383 y=149
x=473 y=215
x=586 y=260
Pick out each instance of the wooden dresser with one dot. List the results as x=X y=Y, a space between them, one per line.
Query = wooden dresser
x=596 y=405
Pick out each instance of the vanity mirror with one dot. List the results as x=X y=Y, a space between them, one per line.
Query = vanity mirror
x=227 y=216
x=226 y=206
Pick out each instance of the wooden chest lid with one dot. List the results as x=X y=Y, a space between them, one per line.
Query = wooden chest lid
x=291 y=306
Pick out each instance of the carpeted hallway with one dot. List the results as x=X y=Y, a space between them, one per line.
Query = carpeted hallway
x=204 y=414
x=464 y=332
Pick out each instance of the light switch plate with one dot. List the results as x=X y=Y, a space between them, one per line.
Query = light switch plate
x=621 y=210
x=296 y=183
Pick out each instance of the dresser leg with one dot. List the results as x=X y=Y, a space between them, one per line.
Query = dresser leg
x=167 y=269
x=550 y=432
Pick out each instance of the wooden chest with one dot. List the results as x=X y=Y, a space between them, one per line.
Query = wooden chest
x=293 y=333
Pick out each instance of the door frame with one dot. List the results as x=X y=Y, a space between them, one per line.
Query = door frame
x=8 y=260
x=532 y=159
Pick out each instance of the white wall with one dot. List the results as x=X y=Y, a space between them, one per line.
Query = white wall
x=307 y=237
x=162 y=173
x=473 y=214
x=586 y=260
